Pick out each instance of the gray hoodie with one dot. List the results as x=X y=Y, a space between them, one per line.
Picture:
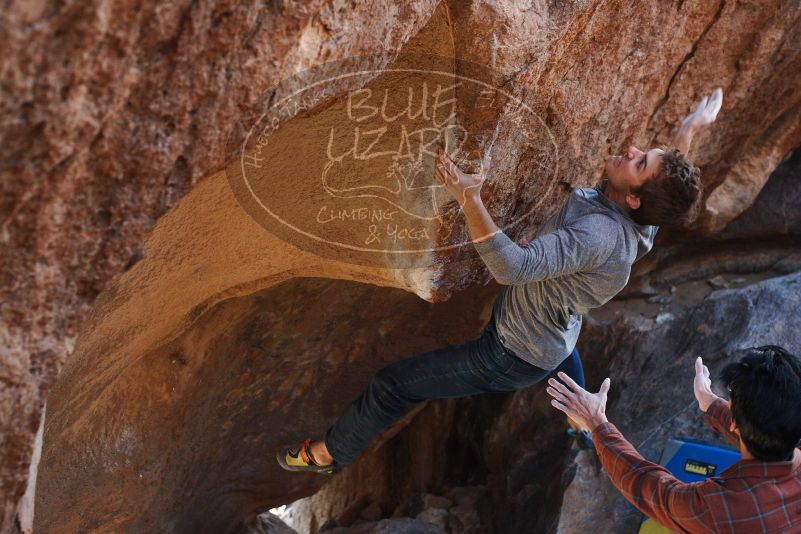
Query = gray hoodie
x=580 y=258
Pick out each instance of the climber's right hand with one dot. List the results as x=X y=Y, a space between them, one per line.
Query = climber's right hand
x=461 y=186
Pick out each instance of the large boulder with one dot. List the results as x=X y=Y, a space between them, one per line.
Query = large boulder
x=123 y=233
x=111 y=113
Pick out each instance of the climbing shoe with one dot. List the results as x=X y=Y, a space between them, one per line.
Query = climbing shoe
x=583 y=438
x=291 y=459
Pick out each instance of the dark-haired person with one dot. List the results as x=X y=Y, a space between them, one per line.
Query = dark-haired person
x=580 y=259
x=760 y=493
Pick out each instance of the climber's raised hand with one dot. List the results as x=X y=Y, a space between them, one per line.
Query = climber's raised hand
x=705 y=113
x=457 y=182
x=707 y=110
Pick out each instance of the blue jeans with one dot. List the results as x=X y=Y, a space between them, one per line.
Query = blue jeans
x=482 y=365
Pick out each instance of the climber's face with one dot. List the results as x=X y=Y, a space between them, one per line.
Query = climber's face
x=628 y=172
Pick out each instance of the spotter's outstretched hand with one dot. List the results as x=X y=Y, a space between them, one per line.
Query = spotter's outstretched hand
x=585 y=408
x=702 y=386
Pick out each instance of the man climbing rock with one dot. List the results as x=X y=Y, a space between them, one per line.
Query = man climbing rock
x=580 y=259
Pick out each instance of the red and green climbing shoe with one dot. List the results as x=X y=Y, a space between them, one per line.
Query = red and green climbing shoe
x=291 y=459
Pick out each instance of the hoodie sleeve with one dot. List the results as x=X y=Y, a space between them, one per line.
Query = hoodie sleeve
x=583 y=245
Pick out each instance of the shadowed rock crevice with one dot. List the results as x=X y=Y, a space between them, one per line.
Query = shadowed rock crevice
x=196 y=453
x=687 y=58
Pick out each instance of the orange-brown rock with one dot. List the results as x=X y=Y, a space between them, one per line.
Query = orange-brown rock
x=127 y=242
x=111 y=113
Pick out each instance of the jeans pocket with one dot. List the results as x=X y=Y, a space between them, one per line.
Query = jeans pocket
x=522 y=373
x=507 y=360
x=516 y=375
x=506 y=374
x=496 y=358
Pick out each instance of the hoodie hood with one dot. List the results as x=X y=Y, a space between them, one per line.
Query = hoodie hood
x=644 y=233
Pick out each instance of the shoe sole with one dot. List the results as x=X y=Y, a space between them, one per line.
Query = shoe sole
x=281 y=454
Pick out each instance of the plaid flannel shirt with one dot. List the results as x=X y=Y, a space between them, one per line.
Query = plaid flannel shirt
x=750 y=496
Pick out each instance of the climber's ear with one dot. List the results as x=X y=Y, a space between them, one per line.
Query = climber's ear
x=633 y=201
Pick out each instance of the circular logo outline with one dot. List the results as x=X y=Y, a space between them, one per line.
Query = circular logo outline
x=377 y=72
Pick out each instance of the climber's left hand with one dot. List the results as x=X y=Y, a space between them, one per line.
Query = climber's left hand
x=706 y=112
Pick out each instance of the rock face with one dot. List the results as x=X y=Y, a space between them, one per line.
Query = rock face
x=111 y=113
x=126 y=244
x=268 y=523
x=774 y=213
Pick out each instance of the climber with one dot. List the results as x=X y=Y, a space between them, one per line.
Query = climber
x=760 y=493
x=580 y=259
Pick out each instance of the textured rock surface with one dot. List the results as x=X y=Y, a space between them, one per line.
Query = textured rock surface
x=775 y=211
x=393 y=526
x=110 y=118
x=111 y=111
x=268 y=523
x=198 y=452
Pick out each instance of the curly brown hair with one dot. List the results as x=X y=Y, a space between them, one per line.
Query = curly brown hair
x=671 y=196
